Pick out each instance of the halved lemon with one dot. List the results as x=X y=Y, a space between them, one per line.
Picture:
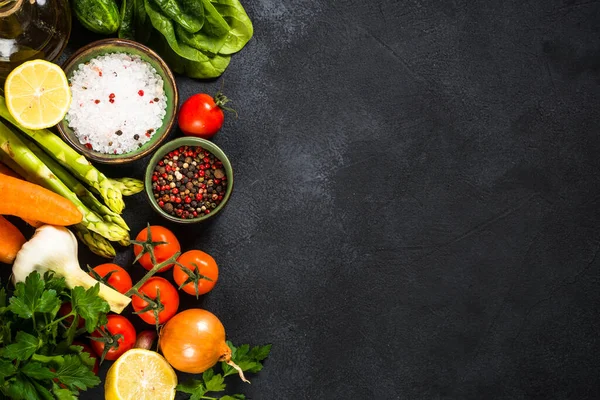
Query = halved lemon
x=37 y=94
x=140 y=375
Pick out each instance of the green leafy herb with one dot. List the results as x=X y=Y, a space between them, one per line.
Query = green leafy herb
x=249 y=359
x=164 y=25
x=195 y=37
x=193 y=7
x=35 y=345
x=127 y=28
x=24 y=347
x=172 y=9
x=90 y=306
x=240 y=26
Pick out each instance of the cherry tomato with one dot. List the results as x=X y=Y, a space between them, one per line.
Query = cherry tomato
x=66 y=309
x=201 y=115
x=119 y=279
x=169 y=298
x=91 y=352
x=200 y=269
x=117 y=325
x=162 y=252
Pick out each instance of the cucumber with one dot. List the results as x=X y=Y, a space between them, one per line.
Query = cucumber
x=100 y=16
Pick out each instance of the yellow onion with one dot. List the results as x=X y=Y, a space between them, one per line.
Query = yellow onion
x=194 y=341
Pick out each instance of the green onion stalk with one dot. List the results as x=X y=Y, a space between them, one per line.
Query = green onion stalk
x=77 y=164
x=38 y=172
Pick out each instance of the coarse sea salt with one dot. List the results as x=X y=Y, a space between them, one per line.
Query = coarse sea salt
x=118 y=103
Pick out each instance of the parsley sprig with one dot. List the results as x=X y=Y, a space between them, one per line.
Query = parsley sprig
x=248 y=359
x=37 y=358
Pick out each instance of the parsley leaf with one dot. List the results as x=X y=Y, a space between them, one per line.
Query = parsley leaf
x=30 y=351
x=23 y=348
x=26 y=298
x=249 y=360
x=63 y=394
x=36 y=370
x=53 y=282
x=84 y=356
x=42 y=392
x=21 y=388
x=90 y=306
x=6 y=369
x=75 y=374
x=210 y=382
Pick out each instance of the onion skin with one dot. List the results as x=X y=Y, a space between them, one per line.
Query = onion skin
x=194 y=341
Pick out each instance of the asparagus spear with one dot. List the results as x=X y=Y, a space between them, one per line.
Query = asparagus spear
x=86 y=197
x=128 y=186
x=35 y=170
x=96 y=243
x=73 y=161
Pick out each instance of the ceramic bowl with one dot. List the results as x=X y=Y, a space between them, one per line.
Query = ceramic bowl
x=113 y=45
x=172 y=145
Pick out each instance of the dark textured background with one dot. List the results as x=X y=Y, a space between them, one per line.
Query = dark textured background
x=416 y=211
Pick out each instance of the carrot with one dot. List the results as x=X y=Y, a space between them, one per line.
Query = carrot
x=7 y=171
x=12 y=240
x=29 y=201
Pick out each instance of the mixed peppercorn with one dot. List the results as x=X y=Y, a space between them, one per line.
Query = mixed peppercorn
x=189 y=182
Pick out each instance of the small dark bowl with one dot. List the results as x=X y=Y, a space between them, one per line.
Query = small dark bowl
x=114 y=45
x=172 y=145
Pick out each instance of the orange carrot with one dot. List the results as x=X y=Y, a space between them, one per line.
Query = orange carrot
x=12 y=240
x=7 y=171
x=29 y=201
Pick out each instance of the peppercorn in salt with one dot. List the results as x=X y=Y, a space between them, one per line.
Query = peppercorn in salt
x=118 y=103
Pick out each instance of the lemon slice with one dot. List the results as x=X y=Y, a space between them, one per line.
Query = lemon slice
x=37 y=94
x=140 y=375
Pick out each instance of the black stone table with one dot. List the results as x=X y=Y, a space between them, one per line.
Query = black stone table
x=417 y=204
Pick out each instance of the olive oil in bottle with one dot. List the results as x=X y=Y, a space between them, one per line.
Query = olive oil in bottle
x=31 y=29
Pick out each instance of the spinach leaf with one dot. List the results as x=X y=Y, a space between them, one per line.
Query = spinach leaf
x=161 y=46
x=126 y=30
x=143 y=26
x=200 y=40
x=232 y=3
x=214 y=24
x=213 y=34
x=213 y=67
x=193 y=7
x=164 y=25
x=172 y=10
x=241 y=29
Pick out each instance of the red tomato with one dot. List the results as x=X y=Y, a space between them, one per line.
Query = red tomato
x=201 y=269
x=66 y=309
x=168 y=297
x=162 y=252
x=92 y=354
x=117 y=324
x=119 y=279
x=201 y=115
